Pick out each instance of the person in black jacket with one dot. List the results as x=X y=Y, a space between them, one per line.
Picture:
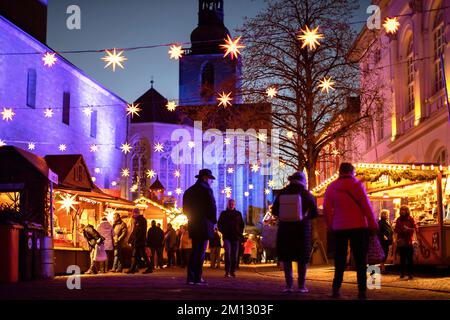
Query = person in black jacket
x=385 y=235
x=155 y=241
x=199 y=206
x=137 y=242
x=93 y=238
x=120 y=233
x=294 y=237
x=231 y=225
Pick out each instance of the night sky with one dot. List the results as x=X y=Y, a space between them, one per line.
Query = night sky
x=131 y=23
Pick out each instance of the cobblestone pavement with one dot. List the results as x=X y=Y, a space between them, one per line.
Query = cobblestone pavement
x=252 y=283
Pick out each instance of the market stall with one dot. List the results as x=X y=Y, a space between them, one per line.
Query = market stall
x=425 y=189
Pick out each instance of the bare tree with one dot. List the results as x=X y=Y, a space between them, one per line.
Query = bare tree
x=310 y=118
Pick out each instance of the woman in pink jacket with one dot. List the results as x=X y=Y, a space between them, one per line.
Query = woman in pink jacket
x=349 y=216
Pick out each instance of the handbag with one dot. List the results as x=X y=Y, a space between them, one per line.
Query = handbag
x=100 y=253
x=375 y=253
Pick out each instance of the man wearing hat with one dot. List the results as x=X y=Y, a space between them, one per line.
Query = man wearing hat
x=199 y=205
x=295 y=206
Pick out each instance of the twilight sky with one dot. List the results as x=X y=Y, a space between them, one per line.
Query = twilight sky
x=130 y=23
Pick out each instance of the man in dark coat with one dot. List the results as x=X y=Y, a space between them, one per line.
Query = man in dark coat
x=93 y=238
x=155 y=241
x=231 y=225
x=199 y=206
x=294 y=237
x=137 y=242
x=120 y=233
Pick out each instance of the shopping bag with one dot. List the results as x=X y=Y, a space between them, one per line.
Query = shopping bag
x=100 y=253
x=375 y=253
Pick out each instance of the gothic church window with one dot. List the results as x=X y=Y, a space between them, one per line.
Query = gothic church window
x=208 y=78
x=438 y=49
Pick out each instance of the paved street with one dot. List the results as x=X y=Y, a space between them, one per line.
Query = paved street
x=252 y=283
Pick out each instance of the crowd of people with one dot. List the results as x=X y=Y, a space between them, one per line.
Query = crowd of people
x=346 y=208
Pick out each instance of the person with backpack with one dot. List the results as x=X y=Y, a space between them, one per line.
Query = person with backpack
x=295 y=208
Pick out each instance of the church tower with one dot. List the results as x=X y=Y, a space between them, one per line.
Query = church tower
x=204 y=72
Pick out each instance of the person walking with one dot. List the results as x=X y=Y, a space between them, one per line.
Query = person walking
x=295 y=208
x=231 y=225
x=185 y=246
x=214 y=247
x=137 y=242
x=93 y=239
x=106 y=231
x=120 y=233
x=349 y=215
x=155 y=242
x=170 y=243
x=199 y=205
x=405 y=227
x=385 y=235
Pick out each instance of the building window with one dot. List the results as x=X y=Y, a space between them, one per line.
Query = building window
x=438 y=49
x=94 y=124
x=208 y=77
x=410 y=76
x=380 y=127
x=66 y=108
x=441 y=157
x=31 y=88
x=78 y=174
x=369 y=137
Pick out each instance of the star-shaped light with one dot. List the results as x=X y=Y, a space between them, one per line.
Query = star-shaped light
x=2 y=143
x=125 y=172
x=227 y=190
x=177 y=174
x=310 y=37
x=87 y=111
x=251 y=187
x=97 y=170
x=228 y=195
x=126 y=148
x=176 y=52
x=31 y=146
x=49 y=59
x=335 y=152
x=114 y=183
x=94 y=148
x=178 y=191
x=255 y=167
x=94 y=179
x=290 y=134
x=391 y=25
x=225 y=99
x=159 y=147
x=271 y=183
x=133 y=109
x=262 y=136
x=7 y=114
x=232 y=47
x=271 y=92
x=191 y=144
x=48 y=113
x=326 y=84
x=246 y=193
x=62 y=147
x=68 y=202
x=230 y=170
x=171 y=106
x=150 y=174
x=227 y=141
x=113 y=58
x=267 y=191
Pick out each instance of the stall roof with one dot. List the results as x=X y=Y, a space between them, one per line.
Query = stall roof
x=64 y=164
x=36 y=161
x=98 y=195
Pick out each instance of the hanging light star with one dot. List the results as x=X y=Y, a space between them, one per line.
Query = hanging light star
x=7 y=114
x=228 y=195
x=62 y=147
x=271 y=92
x=171 y=106
x=125 y=172
x=114 y=183
x=255 y=167
x=391 y=25
x=2 y=143
x=94 y=148
x=87 y=111
x=177 y=174
x=290 y=134
x=191 y=144
x=246 y=193
x=178 y=191
x=68 y=202
x=126 y=148
x=225 y=99
x=227 y=190
x=326 y=84
x=49 y=59
x=113 y=58
x=94 y=179
x=232 y=47
x=150 y=174
x=230 y=170
x=267 y=191
x=159 y=147
x=310 y=37
x=31 y=146
x=271 y=183
x=262 y=136
x=251 y=187
x=133 y=109
x=97 y=170
x=227 y=141
x=176 y=52
x=48 y=113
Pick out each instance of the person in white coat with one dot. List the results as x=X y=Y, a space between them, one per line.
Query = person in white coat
x=106 y=230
